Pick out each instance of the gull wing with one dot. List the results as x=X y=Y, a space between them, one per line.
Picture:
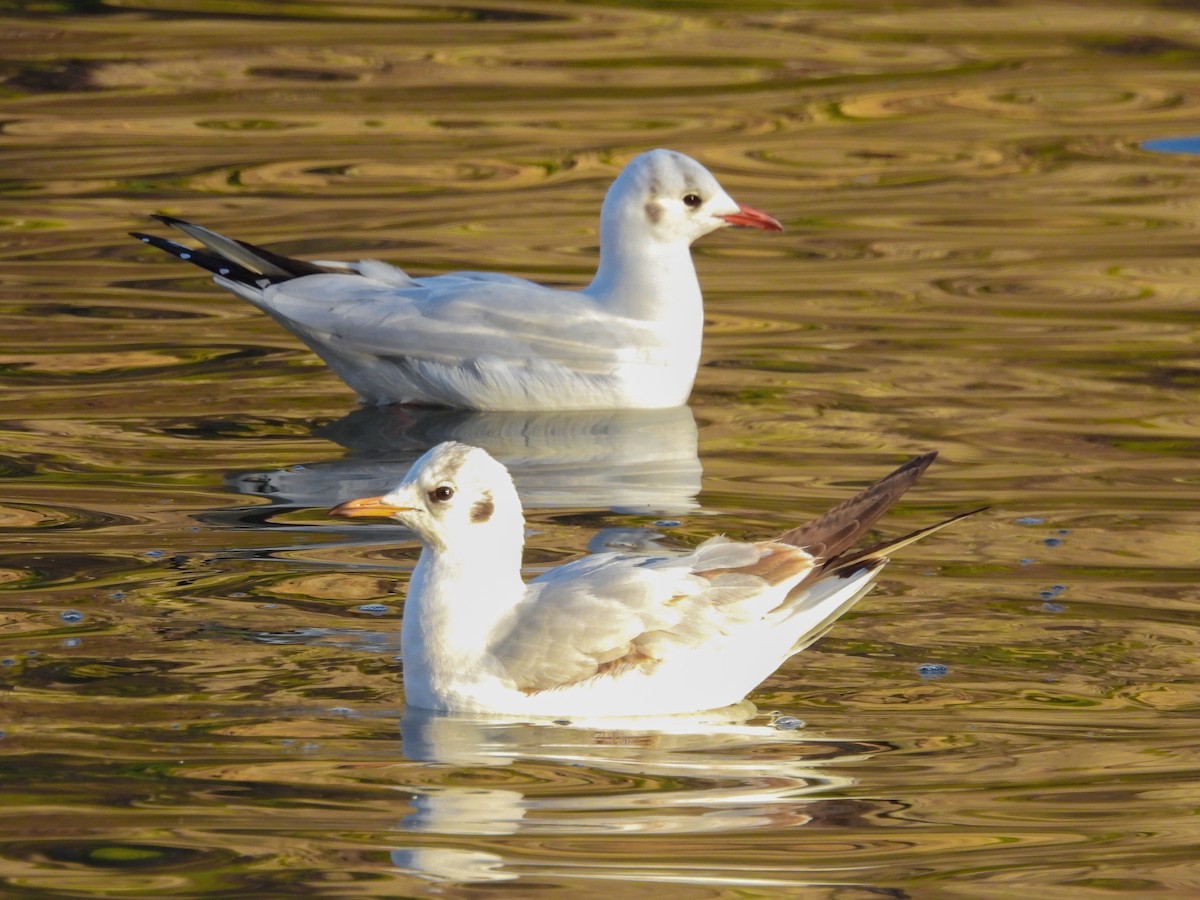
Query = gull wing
x=778 y=595
x=638 y=610
x=455 y=318
x=369 y=309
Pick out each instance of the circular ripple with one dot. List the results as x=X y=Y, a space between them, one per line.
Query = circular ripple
x=117 y=855
x=14 y=517
x=892 y=161
x=1099 y=289
x=1062 y=101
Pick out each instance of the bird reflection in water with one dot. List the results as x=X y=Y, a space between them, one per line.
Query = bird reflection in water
x=629 y=461
x=742 y=774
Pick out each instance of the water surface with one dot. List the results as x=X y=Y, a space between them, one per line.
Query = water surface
x=987 y=254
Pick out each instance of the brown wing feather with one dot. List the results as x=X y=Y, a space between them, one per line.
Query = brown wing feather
x=829 y=535
x=778 y=562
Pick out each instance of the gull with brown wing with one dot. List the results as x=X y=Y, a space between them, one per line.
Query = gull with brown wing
x=611 y=634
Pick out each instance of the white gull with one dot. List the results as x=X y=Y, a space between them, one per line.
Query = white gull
x=629 y=340
x=610 y=634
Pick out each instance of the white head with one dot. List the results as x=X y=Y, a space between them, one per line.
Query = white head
x=673 y=198
x=454 y=493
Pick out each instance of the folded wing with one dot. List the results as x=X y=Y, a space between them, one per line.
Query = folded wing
x=778 y=595
x=641 y=611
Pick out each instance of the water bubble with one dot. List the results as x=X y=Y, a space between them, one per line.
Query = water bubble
x=932 y=670
x=71 y=616
x=238 y=595
x=667 y=523
x=155 y=554
x=1053 y=542
x=374 y=609
x=268 y=606
x=1030 y=520
x=8 y=661
x=342 y=711
x=32 y=653
x=787 y=723
x=71 y=643
x=297 y=468
x=1053 y=607
x=1064 y=531
x=1027 y=561
x=117 y=595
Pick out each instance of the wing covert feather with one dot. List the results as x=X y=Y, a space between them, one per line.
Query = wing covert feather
x=456 y=318
x=637 y=609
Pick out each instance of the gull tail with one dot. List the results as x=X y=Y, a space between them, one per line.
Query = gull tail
x=236 y=261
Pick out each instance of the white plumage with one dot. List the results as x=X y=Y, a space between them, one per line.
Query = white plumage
x=610 y=634
x=630 y=339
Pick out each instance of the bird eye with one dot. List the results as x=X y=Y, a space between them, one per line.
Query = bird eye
x=691 y=201
x=441 y=493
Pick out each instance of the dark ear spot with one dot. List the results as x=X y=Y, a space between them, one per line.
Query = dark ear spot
x=483 y=509
x=653 y=212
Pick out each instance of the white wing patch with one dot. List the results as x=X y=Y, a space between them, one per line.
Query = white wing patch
x=639 y=610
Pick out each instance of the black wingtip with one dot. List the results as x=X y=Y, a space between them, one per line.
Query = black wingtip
x=168 y=220
x=272 y=265
x=202 y=258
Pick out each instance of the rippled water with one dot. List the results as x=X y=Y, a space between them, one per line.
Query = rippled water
x=984 y=256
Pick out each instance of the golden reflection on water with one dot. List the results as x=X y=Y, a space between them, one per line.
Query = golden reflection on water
x=201 y=690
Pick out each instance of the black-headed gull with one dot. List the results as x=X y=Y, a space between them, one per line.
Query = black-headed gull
x=475 y=340
x=610 y=634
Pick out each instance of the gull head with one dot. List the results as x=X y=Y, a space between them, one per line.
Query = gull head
x=671 y=197
x=453 y=493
